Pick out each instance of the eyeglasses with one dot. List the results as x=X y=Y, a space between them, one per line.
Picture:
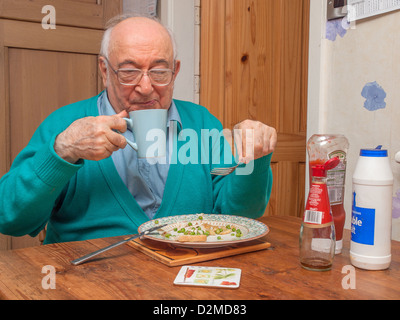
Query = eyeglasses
x=132 y=77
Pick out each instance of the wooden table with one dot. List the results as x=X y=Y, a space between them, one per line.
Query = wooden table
x=125 y=273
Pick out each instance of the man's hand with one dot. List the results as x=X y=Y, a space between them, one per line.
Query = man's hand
x=254 y=140
x=92 y=138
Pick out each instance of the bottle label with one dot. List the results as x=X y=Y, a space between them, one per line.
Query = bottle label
x=362 y=224
x=318 y=208
x=313 y=216
x=336 y=178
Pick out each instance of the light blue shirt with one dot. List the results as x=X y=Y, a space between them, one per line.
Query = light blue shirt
x=145 y=181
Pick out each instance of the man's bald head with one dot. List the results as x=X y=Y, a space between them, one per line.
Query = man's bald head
x=140 y=25
x=138 y=43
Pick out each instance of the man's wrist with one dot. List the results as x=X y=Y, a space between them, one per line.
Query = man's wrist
x=63 y=150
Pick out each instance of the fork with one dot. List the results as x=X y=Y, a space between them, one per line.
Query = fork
x=224 y=171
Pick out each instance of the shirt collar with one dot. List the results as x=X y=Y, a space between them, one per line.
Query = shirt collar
x=106 y=109
x=173 y=114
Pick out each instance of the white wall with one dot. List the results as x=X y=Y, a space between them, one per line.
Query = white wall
x=339 y=70
x=182 y=17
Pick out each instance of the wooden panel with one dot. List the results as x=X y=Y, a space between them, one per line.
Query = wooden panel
x=212 y=64
x=60 y=79
x=80 y=13
x=288 y=194
x=4 y=145
x=260 y=73
x=19 y=34
x=249 y=62
x=301 y=196
x=291 y=148
x=291 y=66
x=287 y=188
x=304 y=63
x=31 y=35
x=111 y=8
x=264 y=59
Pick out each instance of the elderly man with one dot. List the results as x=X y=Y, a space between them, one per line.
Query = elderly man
x=78 y=177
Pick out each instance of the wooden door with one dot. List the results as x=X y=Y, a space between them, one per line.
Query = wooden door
x=254 y=61
x=42 y=69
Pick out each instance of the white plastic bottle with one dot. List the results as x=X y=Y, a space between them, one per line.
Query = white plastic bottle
x=371 y=223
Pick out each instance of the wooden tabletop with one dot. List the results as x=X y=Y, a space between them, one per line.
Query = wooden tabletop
x=126 y=273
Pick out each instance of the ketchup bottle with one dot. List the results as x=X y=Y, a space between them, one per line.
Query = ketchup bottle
x=317 y=233
x=321 y=148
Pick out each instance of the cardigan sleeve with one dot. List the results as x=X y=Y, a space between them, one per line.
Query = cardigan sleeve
x=29 y=191
x=246 y=191
x=31 y=188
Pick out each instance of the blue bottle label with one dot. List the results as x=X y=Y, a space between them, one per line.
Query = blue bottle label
x=362 y=224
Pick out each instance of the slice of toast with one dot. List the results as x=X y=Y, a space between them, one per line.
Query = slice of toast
x=192 y=238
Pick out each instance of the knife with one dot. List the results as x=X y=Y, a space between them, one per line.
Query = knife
x=95 y=253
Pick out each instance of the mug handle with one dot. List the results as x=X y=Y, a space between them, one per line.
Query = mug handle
x=130 y=126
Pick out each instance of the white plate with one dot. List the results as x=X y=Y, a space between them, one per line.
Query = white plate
x=250 y=229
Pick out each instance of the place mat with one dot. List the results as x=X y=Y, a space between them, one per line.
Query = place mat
x=178 y=256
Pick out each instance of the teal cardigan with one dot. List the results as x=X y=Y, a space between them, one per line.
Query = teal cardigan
x=89 y=200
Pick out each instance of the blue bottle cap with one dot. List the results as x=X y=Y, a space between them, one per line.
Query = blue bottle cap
x=374 y=153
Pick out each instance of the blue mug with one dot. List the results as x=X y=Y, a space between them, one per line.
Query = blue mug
x=149 y=128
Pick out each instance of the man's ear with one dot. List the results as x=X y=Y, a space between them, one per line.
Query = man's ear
x=103 y=70
x=177 y=68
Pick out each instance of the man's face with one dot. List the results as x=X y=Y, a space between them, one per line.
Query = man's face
x=143 y=44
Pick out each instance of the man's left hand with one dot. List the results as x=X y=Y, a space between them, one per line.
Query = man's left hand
x=257 y=140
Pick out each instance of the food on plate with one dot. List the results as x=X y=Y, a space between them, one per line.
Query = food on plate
x=201 y=231
x=192 y=238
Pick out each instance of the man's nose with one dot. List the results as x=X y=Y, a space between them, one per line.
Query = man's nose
x=144 y=86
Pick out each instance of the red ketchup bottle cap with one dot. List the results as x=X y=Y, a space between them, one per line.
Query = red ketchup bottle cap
x=320 y=170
